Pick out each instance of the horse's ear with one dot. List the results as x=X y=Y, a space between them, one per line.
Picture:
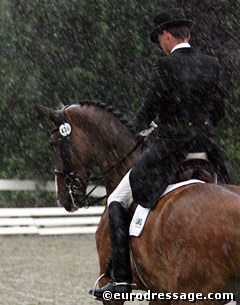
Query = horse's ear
x=51 y=114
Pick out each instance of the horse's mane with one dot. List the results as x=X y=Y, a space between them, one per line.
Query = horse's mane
x=112 y=110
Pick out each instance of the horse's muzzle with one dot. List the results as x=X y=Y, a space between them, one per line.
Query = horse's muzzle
x=69 y=209
x=71 y=202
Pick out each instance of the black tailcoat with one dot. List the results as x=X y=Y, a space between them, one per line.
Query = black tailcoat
x=186 y=95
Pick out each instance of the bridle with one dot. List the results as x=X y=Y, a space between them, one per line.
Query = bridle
x=72 y=179
x=70 y=176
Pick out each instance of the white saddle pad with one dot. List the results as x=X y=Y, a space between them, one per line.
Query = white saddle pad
x=141 y=214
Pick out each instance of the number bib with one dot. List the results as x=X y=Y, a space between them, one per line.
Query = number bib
x=65 y=129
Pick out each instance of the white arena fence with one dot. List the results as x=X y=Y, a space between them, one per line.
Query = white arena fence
x=47 y=221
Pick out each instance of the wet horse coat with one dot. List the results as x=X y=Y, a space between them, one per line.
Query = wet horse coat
x=191 y=240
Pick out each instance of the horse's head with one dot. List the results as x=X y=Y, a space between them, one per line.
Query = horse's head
x=89 y=135
x=74 y=158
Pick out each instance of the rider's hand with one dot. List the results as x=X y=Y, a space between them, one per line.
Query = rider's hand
x=146 y=132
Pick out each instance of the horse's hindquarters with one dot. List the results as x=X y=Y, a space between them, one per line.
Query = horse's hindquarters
x=191 y=241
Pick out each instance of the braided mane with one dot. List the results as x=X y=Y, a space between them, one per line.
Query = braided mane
x=110 y=109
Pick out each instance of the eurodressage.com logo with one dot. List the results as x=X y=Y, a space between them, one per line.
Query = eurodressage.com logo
x=153 y=296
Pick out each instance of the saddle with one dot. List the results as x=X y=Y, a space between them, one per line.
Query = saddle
x=196 y=166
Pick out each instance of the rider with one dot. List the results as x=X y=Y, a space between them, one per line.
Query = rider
x=185 y=94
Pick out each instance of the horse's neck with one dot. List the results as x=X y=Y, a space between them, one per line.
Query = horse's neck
x=111 y=142
x=110 y=153
x=122 y=167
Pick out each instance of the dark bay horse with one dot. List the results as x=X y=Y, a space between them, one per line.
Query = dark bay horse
x=191 y=239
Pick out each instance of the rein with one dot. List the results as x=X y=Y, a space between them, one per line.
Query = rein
x=119 y=162
x=69 y=175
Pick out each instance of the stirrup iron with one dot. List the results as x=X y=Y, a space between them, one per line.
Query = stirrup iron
x=96 y=283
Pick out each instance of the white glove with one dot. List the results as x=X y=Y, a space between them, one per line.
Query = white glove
x=146 y=132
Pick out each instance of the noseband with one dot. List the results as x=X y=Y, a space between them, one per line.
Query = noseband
x=72 y=179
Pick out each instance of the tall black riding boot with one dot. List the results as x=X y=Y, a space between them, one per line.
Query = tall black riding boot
x=119 y=242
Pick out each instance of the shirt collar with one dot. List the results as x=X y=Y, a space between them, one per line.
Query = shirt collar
x=181 y=45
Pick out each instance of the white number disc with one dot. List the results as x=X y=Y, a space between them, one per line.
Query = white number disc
x=65 y=129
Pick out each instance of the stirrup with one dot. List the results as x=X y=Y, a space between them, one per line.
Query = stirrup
x=121 y=283
x=96 y=283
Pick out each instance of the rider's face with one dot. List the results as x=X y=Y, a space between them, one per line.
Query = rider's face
x=163 y=39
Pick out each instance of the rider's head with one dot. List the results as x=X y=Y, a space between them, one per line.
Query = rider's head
x=172 y=28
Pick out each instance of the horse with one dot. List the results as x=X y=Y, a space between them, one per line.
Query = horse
x=191 y=238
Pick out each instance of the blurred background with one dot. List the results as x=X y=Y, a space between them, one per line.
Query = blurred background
x=64 y=51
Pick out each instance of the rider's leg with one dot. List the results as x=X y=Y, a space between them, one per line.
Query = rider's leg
x=118 y=203
x=122 y=193
x=119 y=242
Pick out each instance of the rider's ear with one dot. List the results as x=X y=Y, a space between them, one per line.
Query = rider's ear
x=53 y=115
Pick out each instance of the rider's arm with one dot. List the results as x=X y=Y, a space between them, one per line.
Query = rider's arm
x=151 y=105
x=146 y=132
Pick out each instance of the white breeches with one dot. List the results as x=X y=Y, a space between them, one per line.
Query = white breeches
x=122 y=193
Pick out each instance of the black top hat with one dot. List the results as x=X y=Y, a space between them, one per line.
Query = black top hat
x=167 y=19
